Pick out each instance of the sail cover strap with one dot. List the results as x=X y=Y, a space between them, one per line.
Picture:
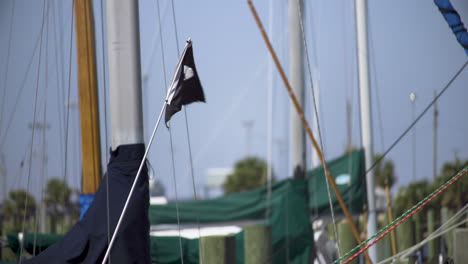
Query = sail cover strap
x=454 y=21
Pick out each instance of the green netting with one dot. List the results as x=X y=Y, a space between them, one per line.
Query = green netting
x=349 y=174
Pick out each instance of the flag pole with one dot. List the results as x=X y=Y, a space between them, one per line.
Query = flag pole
x=307 y=127
x=134 y=182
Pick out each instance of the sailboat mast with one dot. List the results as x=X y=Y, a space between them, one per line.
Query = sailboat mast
x=123 y=43
x=366 y=115
x=87 y=83
x=296 y=72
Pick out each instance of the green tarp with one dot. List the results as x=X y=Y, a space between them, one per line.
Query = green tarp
x=292 y=237
x=31 y=240
x=349 y=174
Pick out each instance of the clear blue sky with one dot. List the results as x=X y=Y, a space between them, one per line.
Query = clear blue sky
x=412 y=50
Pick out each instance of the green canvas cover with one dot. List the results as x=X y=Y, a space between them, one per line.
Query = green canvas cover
x=166 y=249
x=40 y=241
x=349 y=174
x=292 y=236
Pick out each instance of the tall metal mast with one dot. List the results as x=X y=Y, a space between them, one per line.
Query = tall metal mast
x=296 y=72
x=366 y=115
x=123 y=44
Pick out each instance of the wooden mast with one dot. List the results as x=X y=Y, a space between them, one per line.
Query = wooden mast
x=87 y=83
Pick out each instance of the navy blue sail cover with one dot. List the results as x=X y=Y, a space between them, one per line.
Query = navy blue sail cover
x=454 y=21
x=87 y=241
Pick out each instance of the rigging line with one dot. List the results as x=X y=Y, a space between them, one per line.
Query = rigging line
x=62 y=26
x=349 y=101
x=59 y=53
x=419 y=117
x=269 y=116
x=347 y=86
x=349 y=98
x=314 y=44
x=443 y=229
x=230 y=109
x=67 y=120
x=44 y=14
x=309 y=16
x=433 y=236
x=304 y=122
x=318 y=124
x=176 y=197
x=287 y=227
x=5 y=82
x=170 y=135
x=345 y=57
x=23 y=84
x=192 y=173
x=154 y=45
x=57 y=45
x=104 y=78
x=37 y=219
x=16 y=183
x=388 y=228
x=375 y=79
x=282 y=248
x=21 y=89
x=418 y=246
x=105 y=121
x=323 y=141
x=59 y=102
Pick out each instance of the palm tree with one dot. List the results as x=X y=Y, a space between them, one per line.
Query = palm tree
x=458 y=194
x=249 y=173
x=57 y=200
x=384 y=172
x=19 y=206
